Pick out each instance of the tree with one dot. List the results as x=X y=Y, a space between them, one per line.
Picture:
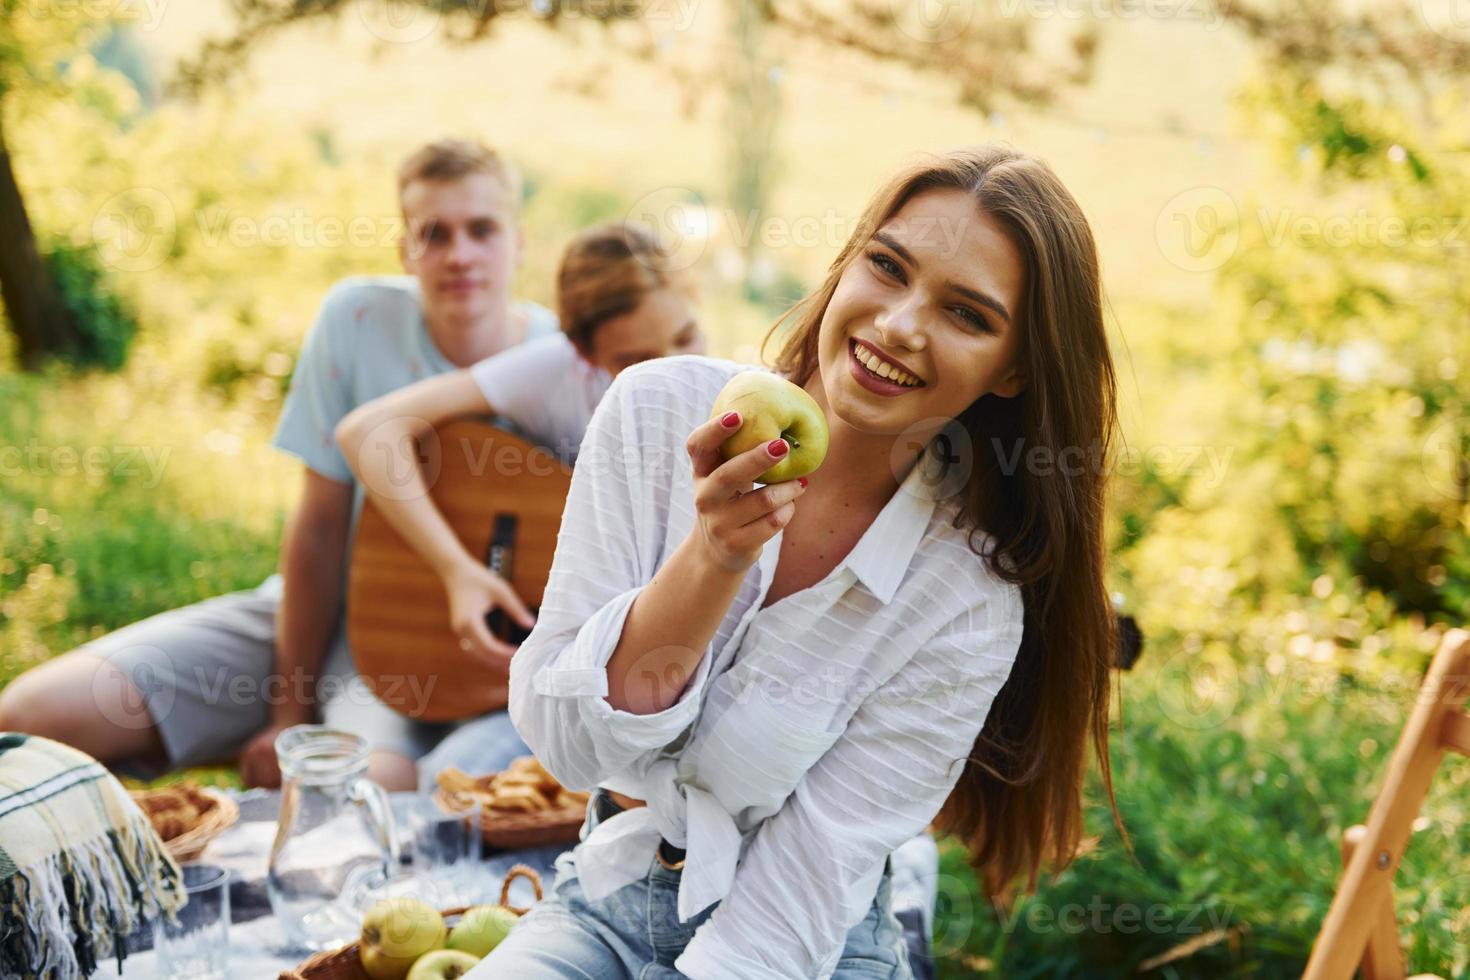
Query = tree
x=753 y=109
x=982 y=54
x=1359 y=325
x=30 y=50
x=1335 y=350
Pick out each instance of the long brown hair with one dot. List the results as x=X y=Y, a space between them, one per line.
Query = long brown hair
x=1018 y=802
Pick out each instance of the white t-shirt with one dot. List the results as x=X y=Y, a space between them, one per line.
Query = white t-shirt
x=547 y=389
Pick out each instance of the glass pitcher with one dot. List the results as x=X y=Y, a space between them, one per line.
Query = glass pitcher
x=334 y=837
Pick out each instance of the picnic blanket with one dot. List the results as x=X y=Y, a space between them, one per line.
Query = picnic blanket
x=80 y=866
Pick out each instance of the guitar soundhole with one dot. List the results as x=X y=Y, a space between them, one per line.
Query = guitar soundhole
x=499 y=560
x=504 y=628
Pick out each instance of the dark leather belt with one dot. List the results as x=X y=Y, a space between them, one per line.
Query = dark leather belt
x=668 y=855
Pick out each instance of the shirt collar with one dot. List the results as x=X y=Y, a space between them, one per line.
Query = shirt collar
x=884 y=552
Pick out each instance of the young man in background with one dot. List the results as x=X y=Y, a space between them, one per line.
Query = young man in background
x=223 y=677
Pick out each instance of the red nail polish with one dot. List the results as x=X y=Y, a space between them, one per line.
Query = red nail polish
x=802 y=481
x=730 y=420
x=777 y=447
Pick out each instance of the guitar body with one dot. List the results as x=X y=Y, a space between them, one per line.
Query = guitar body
x=499 y=493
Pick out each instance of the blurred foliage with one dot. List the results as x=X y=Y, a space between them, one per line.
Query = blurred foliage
x=104 y=323
x=118 y=503
x=1331 y=373
x=37 y=42
x=984 y=54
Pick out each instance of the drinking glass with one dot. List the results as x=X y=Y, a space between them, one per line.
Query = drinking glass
x=445 y=847
x=196 y=945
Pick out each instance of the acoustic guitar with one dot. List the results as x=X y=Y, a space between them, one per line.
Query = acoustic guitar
x=503 y=497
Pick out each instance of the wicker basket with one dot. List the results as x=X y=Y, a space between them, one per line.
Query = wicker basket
x=343 y=964
x=215 y=821
x=511 y=831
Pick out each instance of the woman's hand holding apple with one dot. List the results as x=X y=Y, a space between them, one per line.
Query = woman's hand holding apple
x=734 y=522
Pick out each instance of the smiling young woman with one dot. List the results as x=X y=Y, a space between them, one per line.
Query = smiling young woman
x=795 y=680
x=994 y=250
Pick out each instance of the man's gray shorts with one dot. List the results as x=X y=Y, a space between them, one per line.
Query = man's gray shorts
x=206 y=672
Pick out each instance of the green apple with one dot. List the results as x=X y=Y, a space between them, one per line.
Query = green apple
x=442 y=964
x=481 y=929
x=397 y=931
x=380 y=966
x=771 y=407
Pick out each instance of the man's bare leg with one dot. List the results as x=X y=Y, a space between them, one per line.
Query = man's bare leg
x=83 y=701
x=392 y=771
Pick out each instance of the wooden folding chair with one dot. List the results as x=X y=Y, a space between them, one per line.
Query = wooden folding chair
x=1360 y=929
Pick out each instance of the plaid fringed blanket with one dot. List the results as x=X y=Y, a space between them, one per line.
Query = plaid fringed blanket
x=80 y=866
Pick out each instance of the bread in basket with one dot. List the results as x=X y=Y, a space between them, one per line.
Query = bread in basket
x=524 y=806
x=187 y=816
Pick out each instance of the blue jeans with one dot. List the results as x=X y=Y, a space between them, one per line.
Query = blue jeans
x=635 y=933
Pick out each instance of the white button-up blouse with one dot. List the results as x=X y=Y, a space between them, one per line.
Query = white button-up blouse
x=816 y=736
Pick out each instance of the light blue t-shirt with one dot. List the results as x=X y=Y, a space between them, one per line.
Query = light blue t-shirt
x=369 y=339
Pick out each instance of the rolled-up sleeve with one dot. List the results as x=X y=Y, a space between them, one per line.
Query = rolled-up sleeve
x=810 y=872
x=606 y=551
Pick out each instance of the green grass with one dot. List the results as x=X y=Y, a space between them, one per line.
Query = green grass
x=151 y=520
x=89 y=543
x=1235 y=813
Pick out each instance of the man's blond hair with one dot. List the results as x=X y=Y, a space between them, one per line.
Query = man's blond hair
x=451 y=159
